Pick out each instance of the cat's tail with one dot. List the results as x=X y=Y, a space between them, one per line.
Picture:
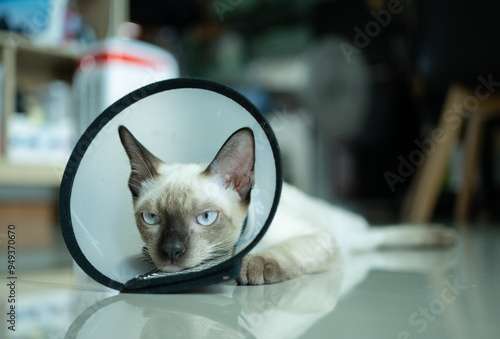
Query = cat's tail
x=407 y=236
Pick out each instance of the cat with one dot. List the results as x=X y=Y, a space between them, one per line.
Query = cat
x=189 y=215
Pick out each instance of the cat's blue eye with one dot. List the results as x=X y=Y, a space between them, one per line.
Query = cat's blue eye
x=150 y=218
x=207 y=218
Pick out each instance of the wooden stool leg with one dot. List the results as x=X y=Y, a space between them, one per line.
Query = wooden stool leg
x=472 y=153
x=425 y=188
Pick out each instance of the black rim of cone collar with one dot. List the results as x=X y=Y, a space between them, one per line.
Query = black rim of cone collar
x=178 y=282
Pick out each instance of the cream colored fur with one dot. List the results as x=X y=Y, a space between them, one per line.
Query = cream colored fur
x=306 y=236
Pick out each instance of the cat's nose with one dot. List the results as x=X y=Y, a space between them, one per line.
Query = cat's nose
x=172 y=252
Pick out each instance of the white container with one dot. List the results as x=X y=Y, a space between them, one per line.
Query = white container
x=113 y=69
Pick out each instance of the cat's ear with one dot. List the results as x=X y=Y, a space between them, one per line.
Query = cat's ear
x=234 y=163
x=144 y=164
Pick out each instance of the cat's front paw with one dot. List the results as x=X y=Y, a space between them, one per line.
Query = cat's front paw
x=258 y=269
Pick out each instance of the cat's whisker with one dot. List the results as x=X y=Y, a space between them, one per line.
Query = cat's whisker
x=220 y=250
x=138 y=181
x=216 y=248
x=229 y=241
x=212 y=261
x=139 y=188
x=140 y=157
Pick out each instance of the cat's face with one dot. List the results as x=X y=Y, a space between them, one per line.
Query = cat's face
x=190 y=214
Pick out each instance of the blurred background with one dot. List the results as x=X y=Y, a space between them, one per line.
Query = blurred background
x=385 y=107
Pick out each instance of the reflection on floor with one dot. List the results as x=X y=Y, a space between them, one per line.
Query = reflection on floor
x=450 y=293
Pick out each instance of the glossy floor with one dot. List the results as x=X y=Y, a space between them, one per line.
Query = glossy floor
x=452 y=293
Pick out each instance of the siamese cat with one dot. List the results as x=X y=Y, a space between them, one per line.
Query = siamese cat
x=193 y=214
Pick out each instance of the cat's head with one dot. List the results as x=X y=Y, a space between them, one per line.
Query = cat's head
x=191 y=214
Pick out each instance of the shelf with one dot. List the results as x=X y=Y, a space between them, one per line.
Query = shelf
x=35 y=68
x=26 y=66
x=30 y=175
x=39 y=64
x=22 y=43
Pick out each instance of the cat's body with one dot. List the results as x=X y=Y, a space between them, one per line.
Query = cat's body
x=307 y=233
x=191 y=214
